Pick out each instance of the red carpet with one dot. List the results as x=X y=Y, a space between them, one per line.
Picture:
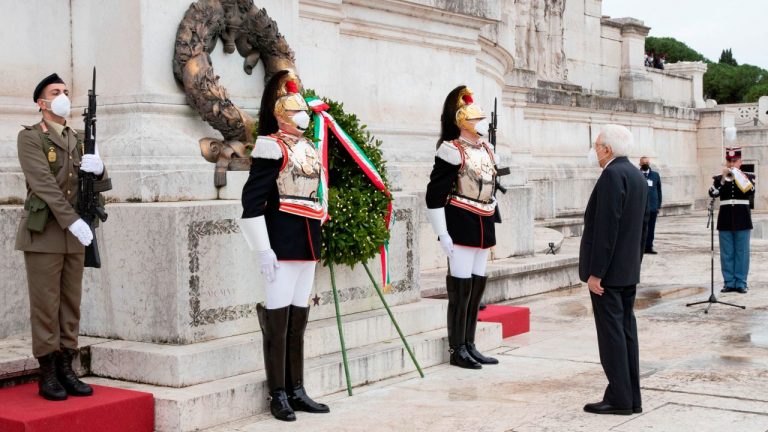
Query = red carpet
x=109 y=409
x=514 y=320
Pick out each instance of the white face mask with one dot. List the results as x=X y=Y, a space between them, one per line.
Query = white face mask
x=60 y=105
x=481 y=127
x=301 y=120
x=592 y=158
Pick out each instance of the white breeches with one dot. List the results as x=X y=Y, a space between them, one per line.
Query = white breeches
x=468 y=261
x=292 y=284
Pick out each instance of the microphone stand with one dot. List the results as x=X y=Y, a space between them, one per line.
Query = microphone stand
x=712 y=299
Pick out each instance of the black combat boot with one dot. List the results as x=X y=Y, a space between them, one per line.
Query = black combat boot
x=274 y=329
x=49 y=386
x=67 y=376
x=478 y=288
x=294 y=368
x=459 y=291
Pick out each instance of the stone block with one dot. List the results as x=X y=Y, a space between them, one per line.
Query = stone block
x=181 y=273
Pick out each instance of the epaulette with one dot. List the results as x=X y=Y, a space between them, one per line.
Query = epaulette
x=267 y=147
x=449 y=153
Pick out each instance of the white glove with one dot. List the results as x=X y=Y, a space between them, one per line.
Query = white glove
x=82 y=231
x=92 y=163
x=436 y=218
x=256 y=235
x=447 y=244
x=269 y=263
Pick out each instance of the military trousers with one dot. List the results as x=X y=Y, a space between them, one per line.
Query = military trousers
x=734 y=257
x=55 y=283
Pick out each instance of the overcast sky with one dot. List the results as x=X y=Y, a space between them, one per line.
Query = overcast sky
x=708 y=26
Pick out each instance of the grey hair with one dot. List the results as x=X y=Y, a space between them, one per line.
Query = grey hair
x=618 y=138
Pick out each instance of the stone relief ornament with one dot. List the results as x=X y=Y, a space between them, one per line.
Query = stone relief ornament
x=242 y=27
x=539 y=31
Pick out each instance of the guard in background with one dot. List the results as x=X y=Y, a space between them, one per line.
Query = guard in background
x=53 y=236
x=654 y=201
x=461 y=208
x=734 y=220
x=281 y=221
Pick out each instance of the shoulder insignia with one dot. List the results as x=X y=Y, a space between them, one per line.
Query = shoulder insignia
x=267 y=147
x=449 y=153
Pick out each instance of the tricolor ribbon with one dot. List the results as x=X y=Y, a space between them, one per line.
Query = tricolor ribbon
x=324 y=122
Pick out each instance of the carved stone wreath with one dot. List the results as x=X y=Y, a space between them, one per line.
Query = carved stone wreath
x=242 y=27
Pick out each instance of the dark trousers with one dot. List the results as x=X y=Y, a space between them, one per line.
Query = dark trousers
x=617 y=341
x=651 y=229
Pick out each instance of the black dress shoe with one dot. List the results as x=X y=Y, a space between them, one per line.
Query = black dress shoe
x=606 y=408
x=742 y=290
x=651 y=251
x=637 y=410
x=279 y=406
x=300 y=401
x=727 y=289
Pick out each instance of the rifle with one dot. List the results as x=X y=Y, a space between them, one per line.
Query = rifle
x=89 y=205
x=499 y=171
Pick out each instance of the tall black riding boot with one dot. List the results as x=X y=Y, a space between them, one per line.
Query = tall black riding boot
x=294 y=368
x=49 y=386
x=274 y=329
x=459 y=291
x=67 y=376
x=478 y=288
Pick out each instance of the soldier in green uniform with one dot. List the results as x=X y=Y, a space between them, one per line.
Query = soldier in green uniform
x=53 y=237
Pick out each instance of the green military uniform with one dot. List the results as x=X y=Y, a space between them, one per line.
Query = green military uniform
x=49 y=154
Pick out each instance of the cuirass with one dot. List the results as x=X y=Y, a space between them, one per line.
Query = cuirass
x=298 y=181
x=477 y=178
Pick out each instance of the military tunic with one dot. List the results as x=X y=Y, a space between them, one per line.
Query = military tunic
x=732 y=216
x=467 y=227
x=293 y=237
x=49 y=156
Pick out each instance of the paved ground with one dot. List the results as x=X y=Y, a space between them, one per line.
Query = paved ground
x=700 y=372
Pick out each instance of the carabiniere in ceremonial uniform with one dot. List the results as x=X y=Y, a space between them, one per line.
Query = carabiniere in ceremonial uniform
x=53 y=237
x=281 y=221
x=461 y=208
x=734 y=188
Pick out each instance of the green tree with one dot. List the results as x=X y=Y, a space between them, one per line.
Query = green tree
x=726 y=57
x=756 y=91
x=675 y=50
x=730 y=84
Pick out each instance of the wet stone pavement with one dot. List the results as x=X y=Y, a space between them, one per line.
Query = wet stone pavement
x=700 y=372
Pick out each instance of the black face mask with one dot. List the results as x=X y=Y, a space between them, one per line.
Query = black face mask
x=645 y=167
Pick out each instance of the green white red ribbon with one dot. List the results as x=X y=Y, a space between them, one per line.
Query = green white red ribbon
x=324 y=122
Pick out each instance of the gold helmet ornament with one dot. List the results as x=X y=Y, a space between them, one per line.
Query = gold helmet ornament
x=290 y=106
x=289 y=98
x=468 y=110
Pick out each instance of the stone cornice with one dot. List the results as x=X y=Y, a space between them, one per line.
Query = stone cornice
x=321 y=10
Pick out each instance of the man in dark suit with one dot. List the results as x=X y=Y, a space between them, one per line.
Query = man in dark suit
x=609 y=262
x=654 y=200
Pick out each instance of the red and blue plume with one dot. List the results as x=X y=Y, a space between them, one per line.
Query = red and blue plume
x=291 y=87
x=467 y=98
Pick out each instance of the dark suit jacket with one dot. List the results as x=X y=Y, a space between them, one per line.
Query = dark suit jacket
x=611 y=247
x=654 y=192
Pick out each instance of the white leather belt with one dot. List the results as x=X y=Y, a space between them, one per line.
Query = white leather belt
x=734 y=202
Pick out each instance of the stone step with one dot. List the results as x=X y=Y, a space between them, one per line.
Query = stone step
x=568 y=226
x=18 y=365
x=514 y=277
x=543 y=237
x=186 y=365
x=234 y=398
